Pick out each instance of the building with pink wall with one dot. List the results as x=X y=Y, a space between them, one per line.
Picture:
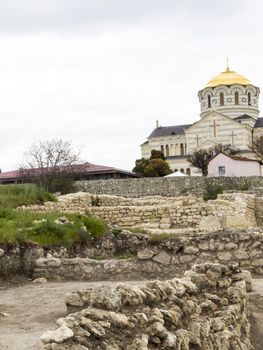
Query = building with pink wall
x=224 y=165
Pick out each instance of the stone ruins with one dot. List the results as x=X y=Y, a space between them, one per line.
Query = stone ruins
x=206 y=309
x=195 y=257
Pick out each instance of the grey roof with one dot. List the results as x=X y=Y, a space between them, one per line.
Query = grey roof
x=259 y=123
x=243 y=116
x=169 y=130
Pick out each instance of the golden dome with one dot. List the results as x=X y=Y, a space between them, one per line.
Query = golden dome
x=228 y=77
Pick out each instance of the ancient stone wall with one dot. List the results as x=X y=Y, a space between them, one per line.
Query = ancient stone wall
x=163 y=258
x=169 y=187
x=229 y=210
x=259 y=210
x=207 y=309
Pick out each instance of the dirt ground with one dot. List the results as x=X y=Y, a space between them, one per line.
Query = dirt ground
x=33 y=309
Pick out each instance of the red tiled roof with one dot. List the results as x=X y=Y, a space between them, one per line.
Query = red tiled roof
x=86 y=168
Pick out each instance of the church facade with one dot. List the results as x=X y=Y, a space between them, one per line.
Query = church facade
x=229 y=115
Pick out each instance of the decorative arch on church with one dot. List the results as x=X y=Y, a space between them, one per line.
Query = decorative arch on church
x=167 y=150
x=162 y=149
x=188 y=171
x=182 y=171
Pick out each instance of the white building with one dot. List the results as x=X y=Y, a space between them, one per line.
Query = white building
x=224 y=165
x=229 y=115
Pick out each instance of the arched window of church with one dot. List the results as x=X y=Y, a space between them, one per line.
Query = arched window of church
x=249 y=98
x=236 y=98
x=182 y=149
x=162 y=149
x=167 y=150
x=209 y=101
x=221 y=98
x=175 y=170
x=182 y=171
x=188 y=171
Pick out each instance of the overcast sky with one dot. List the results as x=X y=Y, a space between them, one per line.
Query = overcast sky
x=100 y=72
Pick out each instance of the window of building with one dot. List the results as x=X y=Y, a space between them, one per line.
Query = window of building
x=221 y=98
x=162 y=149
x=236 y=98
x=209 y=101
x=175 y=170
x=249 y=98
x=182 y=149
x=188 y=171
x=221 y=170
x=167 y=150
x=182 y=171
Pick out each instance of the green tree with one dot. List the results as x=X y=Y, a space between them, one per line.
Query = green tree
x=156 y=166
x=201 y=158
x=155 y=154
x=140 y=165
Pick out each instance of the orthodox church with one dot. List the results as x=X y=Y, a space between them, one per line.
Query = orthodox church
x=229 y=115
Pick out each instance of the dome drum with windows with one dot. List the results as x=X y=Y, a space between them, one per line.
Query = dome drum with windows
x=230 y=93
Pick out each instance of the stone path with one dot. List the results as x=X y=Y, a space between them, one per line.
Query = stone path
x=33 y=309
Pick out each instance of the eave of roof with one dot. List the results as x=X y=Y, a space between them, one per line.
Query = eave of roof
x=86 y=168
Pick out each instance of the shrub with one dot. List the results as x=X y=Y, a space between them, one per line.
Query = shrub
x=96 y=227
x=212 y=190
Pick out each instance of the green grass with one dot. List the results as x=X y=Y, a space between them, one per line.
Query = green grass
x=22 y=226
x=13 y=196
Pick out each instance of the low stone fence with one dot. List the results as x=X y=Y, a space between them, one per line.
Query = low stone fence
x=167 y=187
x=207 y=309
x=164 y=258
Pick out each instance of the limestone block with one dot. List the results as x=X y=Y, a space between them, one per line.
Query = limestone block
x=145 y=254
x=246 y=276
x=186 y=258
x=162 y=258
x=241 y=254
x=224 y=256
x=40 y=280
x=73 y=299
x=258 y=262
x=191 y=250
x=43 y=262
x=230 y=246
x=210 y=223
x=236 y=221
x=60 y=335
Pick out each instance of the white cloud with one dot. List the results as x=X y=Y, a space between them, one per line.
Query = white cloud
x=101 y=72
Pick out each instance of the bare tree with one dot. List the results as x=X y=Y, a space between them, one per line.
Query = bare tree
x=258 y=148
x=48 y=163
